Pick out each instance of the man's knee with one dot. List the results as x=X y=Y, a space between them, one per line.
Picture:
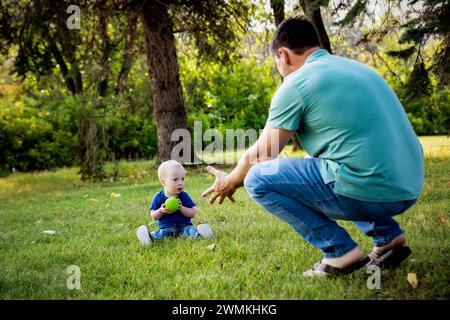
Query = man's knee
x=253 y=182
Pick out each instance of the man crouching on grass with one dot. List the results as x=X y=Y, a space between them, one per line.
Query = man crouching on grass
x=366 y=165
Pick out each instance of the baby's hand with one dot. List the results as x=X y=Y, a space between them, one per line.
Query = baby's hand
x=164 y=210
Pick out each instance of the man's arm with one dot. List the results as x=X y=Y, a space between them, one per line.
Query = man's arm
x=267 y=147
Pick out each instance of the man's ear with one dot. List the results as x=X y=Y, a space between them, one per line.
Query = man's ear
x=284 y=55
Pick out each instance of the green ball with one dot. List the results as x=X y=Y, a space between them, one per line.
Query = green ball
x=172 y=204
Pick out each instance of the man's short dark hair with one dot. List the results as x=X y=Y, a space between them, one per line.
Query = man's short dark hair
x=295 y=33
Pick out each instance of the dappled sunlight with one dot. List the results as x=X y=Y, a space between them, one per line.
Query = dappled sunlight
x=436 y=146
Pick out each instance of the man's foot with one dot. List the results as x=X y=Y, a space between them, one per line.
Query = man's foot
x=205 y=231
x=391 y=254
x=346 y=263
x=325 y=270
x=143 y=235
x=396 y=242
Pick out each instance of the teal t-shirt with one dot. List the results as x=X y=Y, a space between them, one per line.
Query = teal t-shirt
x=346 y=114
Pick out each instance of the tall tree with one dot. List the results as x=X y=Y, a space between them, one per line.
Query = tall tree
x=210 y=24
x=38 y=28
x=168 y=104
x=47 y=46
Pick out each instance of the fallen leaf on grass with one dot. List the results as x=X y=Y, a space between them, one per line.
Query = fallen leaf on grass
x=50 y=232
x=115 y=195
x=441 y=220
x=412 y=279
x=211 y=246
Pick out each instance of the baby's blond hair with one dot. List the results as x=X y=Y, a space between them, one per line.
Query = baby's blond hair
x=166 y=165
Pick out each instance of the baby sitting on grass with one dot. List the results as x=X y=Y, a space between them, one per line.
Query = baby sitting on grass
x=171 y=176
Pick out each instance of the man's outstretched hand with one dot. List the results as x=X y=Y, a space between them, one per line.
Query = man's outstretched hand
x=222 y=187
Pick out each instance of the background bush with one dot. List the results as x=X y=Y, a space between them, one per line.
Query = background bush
x=39 y=127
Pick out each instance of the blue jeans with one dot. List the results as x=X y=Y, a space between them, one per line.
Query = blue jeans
x=297 y=194
x=175 y=230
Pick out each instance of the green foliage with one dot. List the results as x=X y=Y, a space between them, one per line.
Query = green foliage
x=233 y=96
x=419 y=82
x=212 y=25
x=427 y=23
x=402 y=54
x=430 y=114
x=31 y=139
x=353 y=12
x=44 y=132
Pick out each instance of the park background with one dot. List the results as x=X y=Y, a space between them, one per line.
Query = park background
x=86 y=115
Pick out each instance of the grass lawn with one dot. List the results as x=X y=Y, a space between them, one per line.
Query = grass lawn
x=256 y=255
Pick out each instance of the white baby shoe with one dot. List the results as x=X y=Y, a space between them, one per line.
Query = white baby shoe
x=143 y=235
x=205 y=231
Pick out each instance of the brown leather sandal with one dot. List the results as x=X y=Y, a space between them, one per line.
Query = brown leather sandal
x=328 y=270
x=389 y=259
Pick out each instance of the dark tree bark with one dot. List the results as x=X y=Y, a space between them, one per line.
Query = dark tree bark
x=127 y=57
x=70 y=82
x=312 y=11
x=107 y=48
x=72 y=76
x=168 y=104
x=278 y=11
x=76 y=74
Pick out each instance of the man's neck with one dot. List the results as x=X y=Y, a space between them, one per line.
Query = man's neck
x=299 y=60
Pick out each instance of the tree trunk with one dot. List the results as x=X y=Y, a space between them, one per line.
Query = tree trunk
x=311 y=9
x=278 y=11
x=127 y=57
x=168 y=104
x=106 y=47
x=70 y=83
